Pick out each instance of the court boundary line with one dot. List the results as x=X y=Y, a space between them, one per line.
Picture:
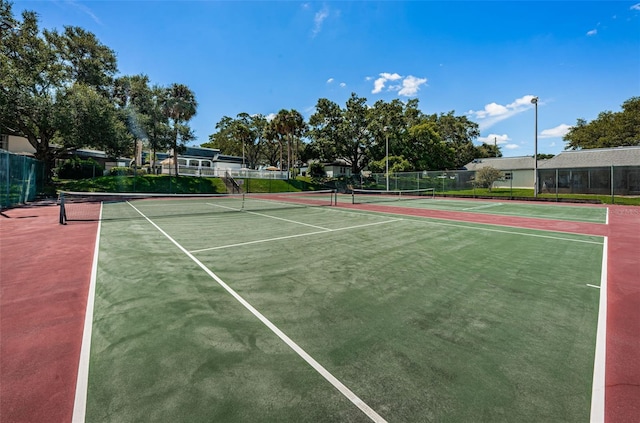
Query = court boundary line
x=486 y=204
x=598 y=386
x=482 y=226
x=343 y=389
x=495 y=213
x=82 y=380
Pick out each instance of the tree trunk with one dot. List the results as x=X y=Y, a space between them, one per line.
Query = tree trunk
x=175 y=152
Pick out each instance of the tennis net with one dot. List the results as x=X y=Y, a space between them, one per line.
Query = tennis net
x=361 y=196
x=86 y=206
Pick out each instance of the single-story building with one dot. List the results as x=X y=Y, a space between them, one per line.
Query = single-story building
x=591 y=171
x=517 y=171
x=16 y=145
x=587 y=171
x=337 y=169
x=22 y=146
x=202 y=161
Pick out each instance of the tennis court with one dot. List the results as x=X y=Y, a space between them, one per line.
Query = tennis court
x=338 y=314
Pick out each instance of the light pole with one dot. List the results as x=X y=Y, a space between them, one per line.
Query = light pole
x=386 y=136
x=534 y=100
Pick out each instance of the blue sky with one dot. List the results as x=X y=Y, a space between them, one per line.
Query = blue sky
x=483 y=59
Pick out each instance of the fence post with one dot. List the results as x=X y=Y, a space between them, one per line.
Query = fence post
x=511 y=185
x=557 y=185
x=613 y=199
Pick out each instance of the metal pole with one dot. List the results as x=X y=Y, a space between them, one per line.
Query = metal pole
x=613 y=199
x=556 y=185
x=534 y=100
x=387 y=154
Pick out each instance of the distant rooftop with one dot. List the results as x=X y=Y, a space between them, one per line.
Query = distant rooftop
x=502 y=163
x=594 y=157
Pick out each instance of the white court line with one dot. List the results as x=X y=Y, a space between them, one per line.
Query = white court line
x=486 y=206
x=272 y=217
x=593 y=286
x=259 y=241
x=546 y=217
x=598 y=385
x=295 y=347
x=430 y=222
x=82 y=381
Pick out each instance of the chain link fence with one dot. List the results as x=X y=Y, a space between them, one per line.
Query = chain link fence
x=22 y=178
x=559 y=183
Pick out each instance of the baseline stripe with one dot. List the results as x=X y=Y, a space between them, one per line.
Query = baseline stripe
x=295 y=347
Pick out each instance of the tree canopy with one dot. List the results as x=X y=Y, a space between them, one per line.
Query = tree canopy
x=59 y=91
x=609 y=129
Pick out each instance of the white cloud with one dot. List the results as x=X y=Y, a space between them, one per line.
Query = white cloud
x=635 y=7
x=491 y=109
x=84 y=9
x=329 y=81
x=511 y=146
x=270 y=116
x=495 y=139
x=592 y=32
x=409 y=85
x=557 y=132
x=378 y=84
x=494 y=112
x=318 y=20
x=342 y=85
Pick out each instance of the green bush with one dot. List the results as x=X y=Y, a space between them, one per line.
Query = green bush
x=77 y=168
x=316 y=170
x=127 y=171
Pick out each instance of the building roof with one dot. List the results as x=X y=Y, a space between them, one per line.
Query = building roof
x=200 y=152
x=594 y=157
x=503 y=163
x=228 y=159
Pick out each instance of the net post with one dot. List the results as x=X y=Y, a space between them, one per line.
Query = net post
x=63 y=215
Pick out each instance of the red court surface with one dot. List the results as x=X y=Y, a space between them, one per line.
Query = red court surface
x=45 y=272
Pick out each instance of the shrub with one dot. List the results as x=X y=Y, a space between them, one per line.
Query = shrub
x=76 y=168
x=486 y=176
x=316 y=170
x=128 y=171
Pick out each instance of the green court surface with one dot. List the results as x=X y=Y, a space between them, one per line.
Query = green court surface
x=422 y=320
x=509 y=208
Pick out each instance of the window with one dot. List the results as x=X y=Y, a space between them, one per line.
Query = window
x=507 y=175
x=4 y=142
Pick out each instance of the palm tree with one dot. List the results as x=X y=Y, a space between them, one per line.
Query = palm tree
x=291 y=126
x=179 y=107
